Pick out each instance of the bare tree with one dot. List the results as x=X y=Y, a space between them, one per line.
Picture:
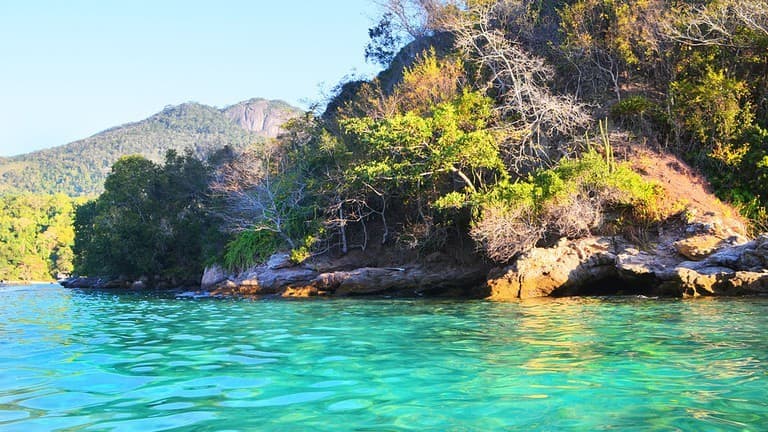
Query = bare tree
x=416 y=18
x=541 y=123
x=504 y=233
x=718 y=23
x=255 y=198
x=356 y=210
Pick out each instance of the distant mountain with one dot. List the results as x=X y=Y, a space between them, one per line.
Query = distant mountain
x=79 y=168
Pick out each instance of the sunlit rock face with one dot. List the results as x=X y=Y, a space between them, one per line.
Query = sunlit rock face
x=607 y=266
x=261 y=116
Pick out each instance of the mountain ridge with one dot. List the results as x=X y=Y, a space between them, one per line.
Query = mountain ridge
x=79 y=168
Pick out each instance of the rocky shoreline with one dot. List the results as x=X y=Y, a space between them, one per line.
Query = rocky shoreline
x=590 y=266
x=608 y=266
x=699 y=260
x=279 y=277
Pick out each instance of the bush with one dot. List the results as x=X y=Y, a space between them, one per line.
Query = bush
x=633 y=106
x=250 y=248
x=566 y=201
x=503 y=232
x=713 y=110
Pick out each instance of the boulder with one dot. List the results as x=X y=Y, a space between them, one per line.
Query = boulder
x=262 y=280
x=557 y=271
x=371 y=280
x=698 y=247
x=644 y=266
x=750 y=256
x=138 y=285
x=212 y=275
x=279 y=261
x=719 y=281
x=81 y=282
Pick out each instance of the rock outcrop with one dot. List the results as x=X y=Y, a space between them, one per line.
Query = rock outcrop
x=557 y=271
x=605 y=265
x=278 y=279
x=125 y=283
x=261 y=116
x=212 y=275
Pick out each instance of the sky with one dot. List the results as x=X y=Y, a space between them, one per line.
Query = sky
x=70 y=69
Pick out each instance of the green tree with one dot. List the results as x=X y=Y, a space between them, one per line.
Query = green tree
x=36 y=236
x=151 y=220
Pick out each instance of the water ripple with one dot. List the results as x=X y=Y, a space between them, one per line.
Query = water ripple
x=74 y=360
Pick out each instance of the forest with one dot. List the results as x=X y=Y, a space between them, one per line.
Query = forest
x=503 y=124
x=36 y=236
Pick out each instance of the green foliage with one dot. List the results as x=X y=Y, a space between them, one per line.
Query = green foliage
x=714 y=109
x=250 y=248
x=569 y=200
x=744 y=180
x=592 y=173
x=718 y=99
x=633 y=106
x=275 y=192
x=150 y=220
x=304 y=249
x=36 y=236
x=412 y=155
x=642 y=116
x=610 y=40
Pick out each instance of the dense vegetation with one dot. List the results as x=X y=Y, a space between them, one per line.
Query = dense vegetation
x=80 y=168
x=36 y=236
x=150 y=221
x=37 y=229
x=501 y=132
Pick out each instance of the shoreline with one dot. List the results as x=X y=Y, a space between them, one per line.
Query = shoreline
x=31 y=282
x=703 y=265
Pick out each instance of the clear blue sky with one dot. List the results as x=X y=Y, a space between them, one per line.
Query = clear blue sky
x=69 y=69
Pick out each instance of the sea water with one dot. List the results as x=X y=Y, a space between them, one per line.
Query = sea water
x=78 y=360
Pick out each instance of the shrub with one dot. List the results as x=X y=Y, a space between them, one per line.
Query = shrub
x=641 y=115
x=633 y=106
x=566 y=201
x=250 y=248
x=713 y=110
x=504 y=232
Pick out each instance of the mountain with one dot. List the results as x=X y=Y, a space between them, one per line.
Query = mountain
x=79 y=168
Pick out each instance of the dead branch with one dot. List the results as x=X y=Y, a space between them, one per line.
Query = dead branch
x=718 y=24
x=539 y=119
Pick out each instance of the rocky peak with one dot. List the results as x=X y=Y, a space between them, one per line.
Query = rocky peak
x=261 y=116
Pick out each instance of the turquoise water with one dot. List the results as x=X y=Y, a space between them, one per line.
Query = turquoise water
x=73 y=361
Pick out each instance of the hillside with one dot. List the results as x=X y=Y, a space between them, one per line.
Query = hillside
x=80 y=168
